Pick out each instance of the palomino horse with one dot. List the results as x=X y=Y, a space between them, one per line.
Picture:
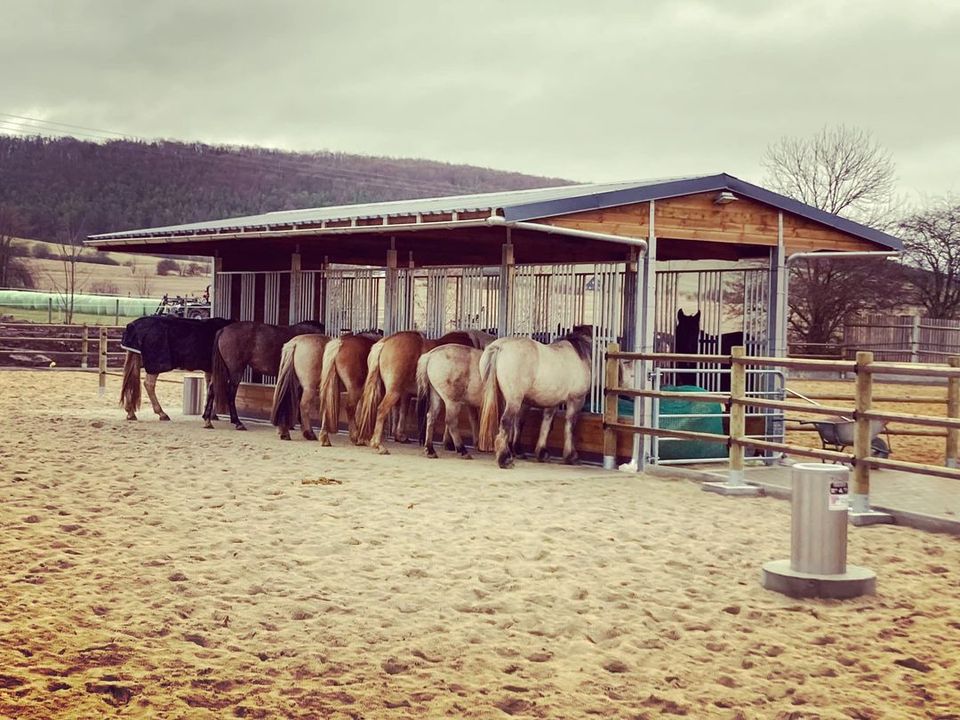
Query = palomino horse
x=158 y=344
x=344 y=369
x=391 y=380
x=449 y=375
x=298 y=384
x=523 y=371
x=243 y=344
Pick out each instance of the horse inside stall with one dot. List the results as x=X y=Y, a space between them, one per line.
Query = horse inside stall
x=254 y=344
x=391 y=380
x=298 y=383
x=689 y=340
x=160 y=343
x=449 y=376
x=519 y=371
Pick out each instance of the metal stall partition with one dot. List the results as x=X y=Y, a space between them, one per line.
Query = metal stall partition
x=354 y=299
x=477 y=299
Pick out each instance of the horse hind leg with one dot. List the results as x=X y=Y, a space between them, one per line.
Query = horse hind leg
x=432 y=411
x=386 y=405
x=307 y=399
x=574 y=405
x=150 y=383
x=208 y=414
x=232 y=400
x=541 y=453
x=453 y=428
x=501 y=445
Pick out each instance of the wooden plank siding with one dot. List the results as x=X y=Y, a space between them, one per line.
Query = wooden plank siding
x=699 y=218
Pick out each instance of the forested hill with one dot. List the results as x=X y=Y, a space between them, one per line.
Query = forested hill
x=70 y=185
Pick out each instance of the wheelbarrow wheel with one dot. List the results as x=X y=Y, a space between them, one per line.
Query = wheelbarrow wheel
x=879 y=449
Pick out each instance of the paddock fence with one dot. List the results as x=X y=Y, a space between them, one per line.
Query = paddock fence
x=740 y=404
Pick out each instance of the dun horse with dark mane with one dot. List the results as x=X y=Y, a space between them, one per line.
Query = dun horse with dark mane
x=518 y=372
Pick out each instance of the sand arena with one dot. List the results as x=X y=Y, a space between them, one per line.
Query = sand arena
x=162 y=570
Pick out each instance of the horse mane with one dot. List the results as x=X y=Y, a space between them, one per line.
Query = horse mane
x=581 y=341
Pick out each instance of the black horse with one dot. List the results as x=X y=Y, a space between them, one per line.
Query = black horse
x=161 y=343
x=689 y=340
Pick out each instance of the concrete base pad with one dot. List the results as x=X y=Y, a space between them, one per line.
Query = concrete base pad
x=856 y=581
x=725 y=489
x=871 y=517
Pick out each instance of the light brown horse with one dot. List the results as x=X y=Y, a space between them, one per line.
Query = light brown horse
x=298 y=384
x=391 y=380
x=254 y=344
x=344 y=369
x=449 y=376
x=523 y=371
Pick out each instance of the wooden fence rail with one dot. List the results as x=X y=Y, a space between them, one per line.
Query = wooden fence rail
x=862 y=412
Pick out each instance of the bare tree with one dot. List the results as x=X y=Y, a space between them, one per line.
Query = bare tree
x=931 y=243
x=71 y=281
x=842 y=170
x=846 y=172
x=142 y=282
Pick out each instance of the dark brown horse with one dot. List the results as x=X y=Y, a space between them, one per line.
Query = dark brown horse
x=344 y=370
x=241 y=345
x=392 y=380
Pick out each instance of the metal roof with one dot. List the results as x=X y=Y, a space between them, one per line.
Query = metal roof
x=515 y=205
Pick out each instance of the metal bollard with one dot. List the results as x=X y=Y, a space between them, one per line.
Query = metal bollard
x=818 y=543
x=193 y=394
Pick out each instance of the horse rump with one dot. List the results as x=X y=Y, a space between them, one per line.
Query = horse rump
x=286 y=393
x=490 y=409
x=130 y=389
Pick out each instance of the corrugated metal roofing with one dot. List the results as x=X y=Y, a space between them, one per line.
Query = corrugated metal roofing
x=519 y=205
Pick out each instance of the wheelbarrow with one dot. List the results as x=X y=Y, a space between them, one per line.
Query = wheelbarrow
x=837 y=433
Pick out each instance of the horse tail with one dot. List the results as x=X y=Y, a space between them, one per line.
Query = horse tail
x=490 y=401
x=330 y=385
x=372 y=395
x=130 y=389
x=423 y=395
x=220 y=378
x=286 y=394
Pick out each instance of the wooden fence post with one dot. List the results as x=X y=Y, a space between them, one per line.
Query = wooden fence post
x=953 y=411
x=862 y=438
x=611 y=379
x=738 y=411
x=84 y=346
x=736 y=484
x=103 y=361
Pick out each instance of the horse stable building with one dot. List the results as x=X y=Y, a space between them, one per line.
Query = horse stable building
x=627 y=258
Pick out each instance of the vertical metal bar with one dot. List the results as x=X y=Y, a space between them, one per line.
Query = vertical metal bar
x=862 y=437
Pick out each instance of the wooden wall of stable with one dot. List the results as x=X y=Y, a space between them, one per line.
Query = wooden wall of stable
x=254 y=401
x=697 y=217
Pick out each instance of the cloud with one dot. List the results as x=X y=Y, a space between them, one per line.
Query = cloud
x=590 y=91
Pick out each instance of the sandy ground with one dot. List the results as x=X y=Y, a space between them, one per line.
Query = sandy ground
x=157 y=569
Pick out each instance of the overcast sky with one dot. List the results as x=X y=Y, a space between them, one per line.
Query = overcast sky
x=587 y=90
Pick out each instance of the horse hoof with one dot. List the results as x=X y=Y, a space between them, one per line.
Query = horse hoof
x=131 y=417
x=467 y=456
x=208 y=425
x=543 y=456
x=241 y=426
x=382 y=451
x=285 y=436
x=164 y=417
x=572 y=460
x=325 y=442
x=431 y=453
x=309 y=436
